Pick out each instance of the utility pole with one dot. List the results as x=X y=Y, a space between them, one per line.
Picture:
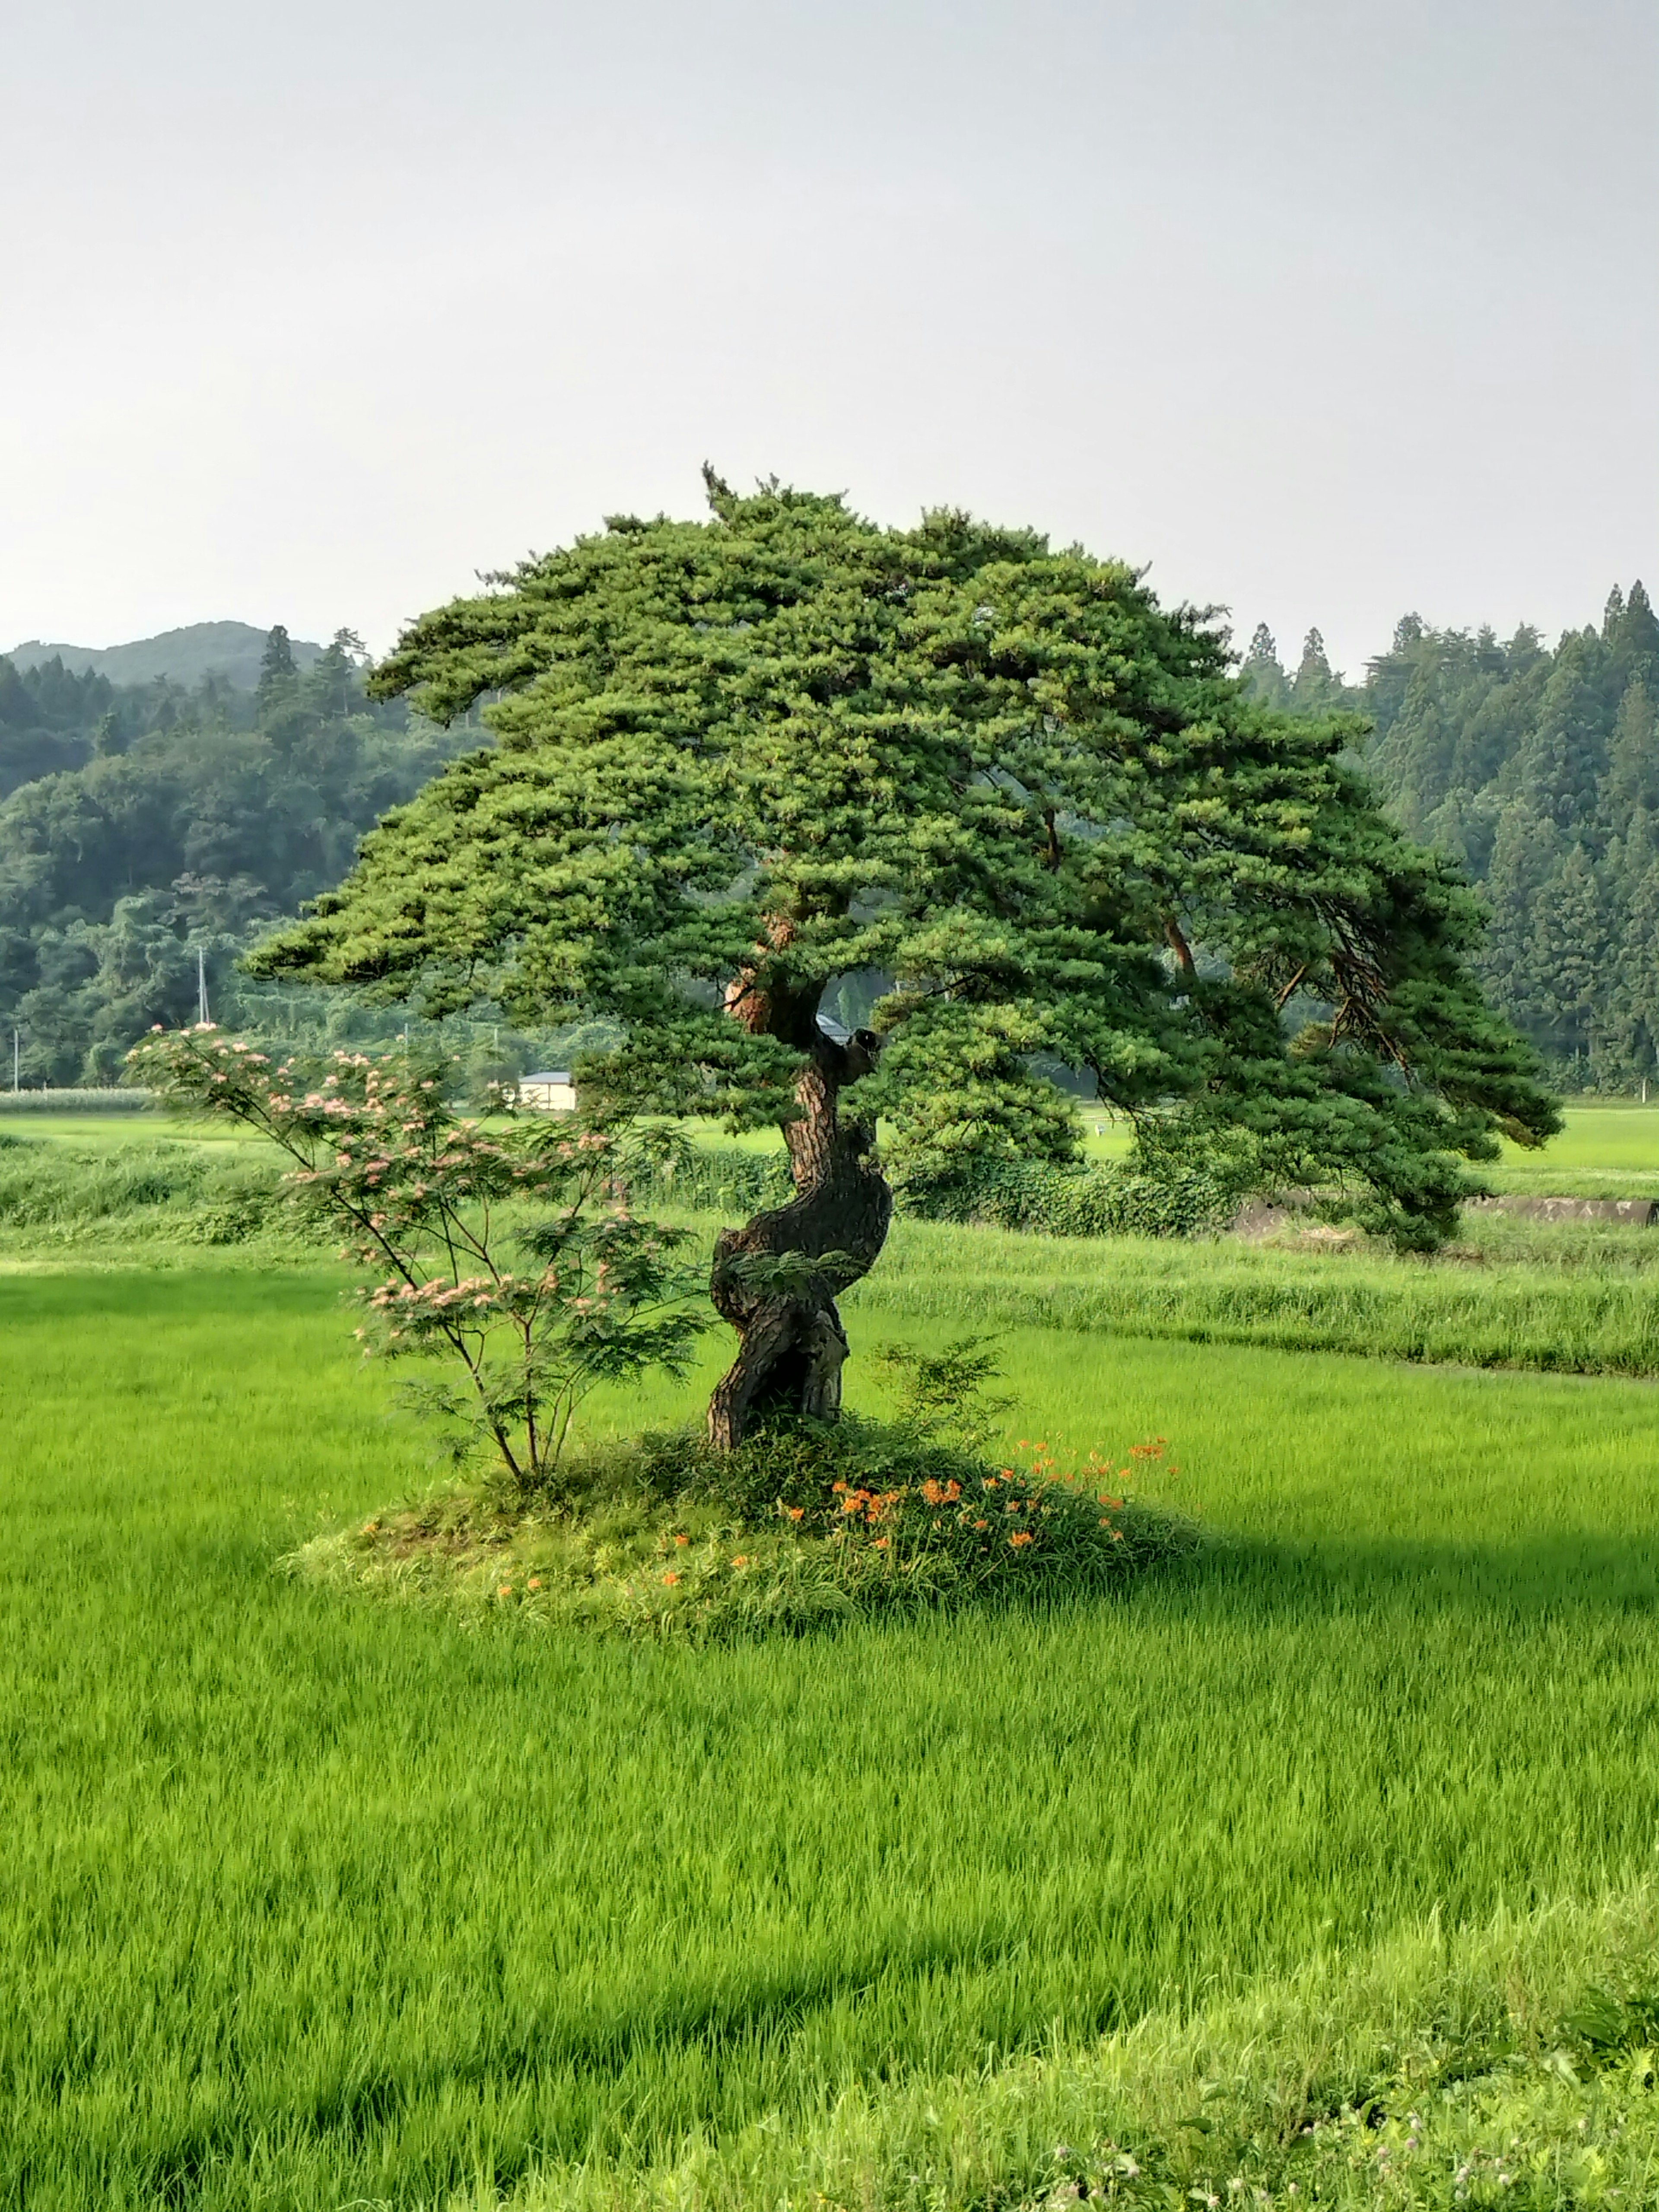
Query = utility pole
x=14 y=1035
x=202 y=1014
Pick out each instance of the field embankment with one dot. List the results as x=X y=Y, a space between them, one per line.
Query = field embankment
x=1563 y=1297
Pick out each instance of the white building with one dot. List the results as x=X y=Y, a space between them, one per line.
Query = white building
x=550 y=1091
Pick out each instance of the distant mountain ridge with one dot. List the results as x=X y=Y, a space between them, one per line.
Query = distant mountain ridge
x=229 y=649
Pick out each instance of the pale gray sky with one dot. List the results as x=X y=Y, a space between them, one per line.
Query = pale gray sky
x=1324 y=310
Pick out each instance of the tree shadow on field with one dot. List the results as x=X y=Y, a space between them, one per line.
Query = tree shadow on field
x=645 y=2065
x=1562 y=1571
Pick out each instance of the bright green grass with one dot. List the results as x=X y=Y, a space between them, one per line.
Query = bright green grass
x=1623 y=1135
x=306 y=1900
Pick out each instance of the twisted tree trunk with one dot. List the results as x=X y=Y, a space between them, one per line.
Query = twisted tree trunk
x=792 y=1343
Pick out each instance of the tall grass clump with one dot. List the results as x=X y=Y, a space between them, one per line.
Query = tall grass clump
x=710 y=1178
x=64 y=1194
x=1570 y=1299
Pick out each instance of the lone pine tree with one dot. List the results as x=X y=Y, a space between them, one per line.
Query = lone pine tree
x=738 y=762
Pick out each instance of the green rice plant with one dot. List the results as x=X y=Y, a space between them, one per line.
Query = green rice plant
x=306 y=1900
x=1611 y=1136
x=1342 y=1819
x=113 y=1132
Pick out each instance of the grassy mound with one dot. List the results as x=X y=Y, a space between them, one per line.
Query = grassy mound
x=803 y=1526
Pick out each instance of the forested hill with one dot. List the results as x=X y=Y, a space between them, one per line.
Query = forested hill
x=1539 y=769
x=232 y=651
x=141 y=825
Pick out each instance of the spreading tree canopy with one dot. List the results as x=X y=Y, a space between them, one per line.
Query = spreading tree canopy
x=740 y=761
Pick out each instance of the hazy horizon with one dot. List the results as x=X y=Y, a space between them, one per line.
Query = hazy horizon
x=1325 y=313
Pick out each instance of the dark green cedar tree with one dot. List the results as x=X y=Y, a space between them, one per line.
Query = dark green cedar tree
x=742 y=760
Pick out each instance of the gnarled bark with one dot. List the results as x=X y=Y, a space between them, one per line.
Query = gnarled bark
x=792 y=1343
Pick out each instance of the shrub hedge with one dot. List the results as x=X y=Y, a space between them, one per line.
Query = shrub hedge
x=1088 y=1201
x=1085 y=1201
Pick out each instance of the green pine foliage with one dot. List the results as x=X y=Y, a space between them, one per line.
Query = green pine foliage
x=759 y=755
x=1533 y=769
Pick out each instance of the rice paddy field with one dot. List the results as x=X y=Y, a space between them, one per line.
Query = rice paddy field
x=310 y=1901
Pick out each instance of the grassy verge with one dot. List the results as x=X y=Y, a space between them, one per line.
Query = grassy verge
x=1569 y=1297
x=1550 y=1182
